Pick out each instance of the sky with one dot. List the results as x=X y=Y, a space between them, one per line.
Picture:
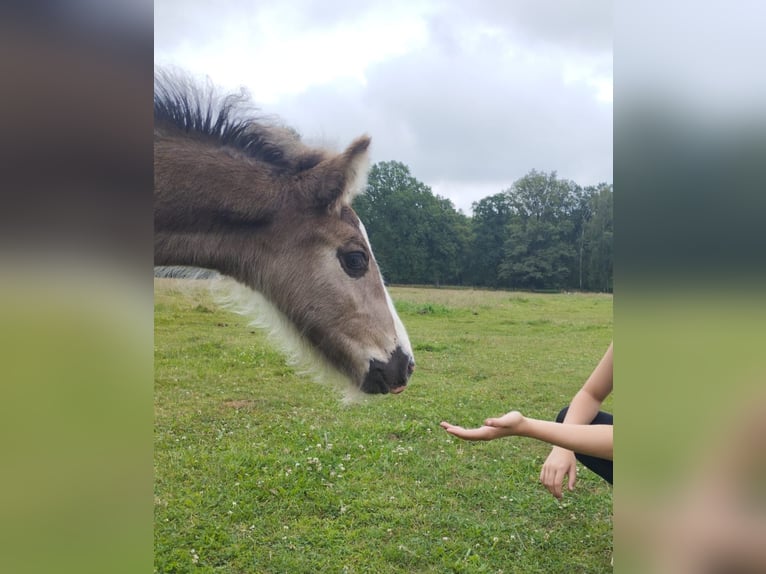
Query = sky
x=471 y=96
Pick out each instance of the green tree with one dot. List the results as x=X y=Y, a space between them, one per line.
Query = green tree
x=539 y=252
x=491 y=217
x=541 y=233
x=580 y=218
x=417 y=237
x=599 y=242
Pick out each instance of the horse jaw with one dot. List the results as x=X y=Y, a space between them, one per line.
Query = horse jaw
x=281 y=332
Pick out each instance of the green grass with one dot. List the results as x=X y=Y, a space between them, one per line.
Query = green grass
x=258 y=469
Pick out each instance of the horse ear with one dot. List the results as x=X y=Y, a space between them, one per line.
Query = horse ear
x=343 y=177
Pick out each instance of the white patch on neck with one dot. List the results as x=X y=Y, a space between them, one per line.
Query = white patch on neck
x=300 y=355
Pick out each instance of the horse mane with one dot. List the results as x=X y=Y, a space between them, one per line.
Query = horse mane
x=193 y=110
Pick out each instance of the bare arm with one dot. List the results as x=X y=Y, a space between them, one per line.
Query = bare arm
x=587 y=401
x=595 y=440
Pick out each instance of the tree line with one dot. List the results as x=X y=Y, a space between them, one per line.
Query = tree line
x=543 y=233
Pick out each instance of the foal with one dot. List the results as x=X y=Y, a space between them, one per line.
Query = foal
x=247 y=199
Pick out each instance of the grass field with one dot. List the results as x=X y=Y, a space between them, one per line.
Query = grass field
x=261 y=470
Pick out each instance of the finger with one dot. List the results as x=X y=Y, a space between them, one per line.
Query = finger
x=450 y=428
x=554 y=490
x=455 y=430
x=549 y=481
x=572 y=479
x=470 y=434
x=556 y=485
x=557 y=481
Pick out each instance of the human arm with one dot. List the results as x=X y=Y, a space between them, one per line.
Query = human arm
x=586 y=403
x=596 y=440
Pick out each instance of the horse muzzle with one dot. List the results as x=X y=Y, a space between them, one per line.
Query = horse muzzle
x=390 y=376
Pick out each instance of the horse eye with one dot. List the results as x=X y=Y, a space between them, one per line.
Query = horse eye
x=354 y=263
x=356 y=260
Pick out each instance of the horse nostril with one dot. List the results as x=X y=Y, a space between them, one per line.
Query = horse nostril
x=411 y=367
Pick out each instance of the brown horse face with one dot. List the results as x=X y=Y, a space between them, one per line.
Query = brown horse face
x=277 y=218
x=324 y=278
x=249 y=200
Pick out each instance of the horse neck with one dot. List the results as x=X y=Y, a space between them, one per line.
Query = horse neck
x=208 y=203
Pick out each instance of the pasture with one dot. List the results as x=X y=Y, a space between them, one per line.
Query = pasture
x=261 y=470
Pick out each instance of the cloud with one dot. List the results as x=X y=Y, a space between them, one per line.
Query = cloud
x=469 y=97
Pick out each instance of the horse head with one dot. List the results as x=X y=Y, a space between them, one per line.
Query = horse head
x=253 y=203
x=317 y=267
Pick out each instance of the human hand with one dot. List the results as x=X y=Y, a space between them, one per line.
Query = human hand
x=493 y=428
x=509 y=421
x=481 y=433
x=559 y=464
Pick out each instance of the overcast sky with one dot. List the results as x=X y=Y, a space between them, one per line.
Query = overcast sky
x=469 y=95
